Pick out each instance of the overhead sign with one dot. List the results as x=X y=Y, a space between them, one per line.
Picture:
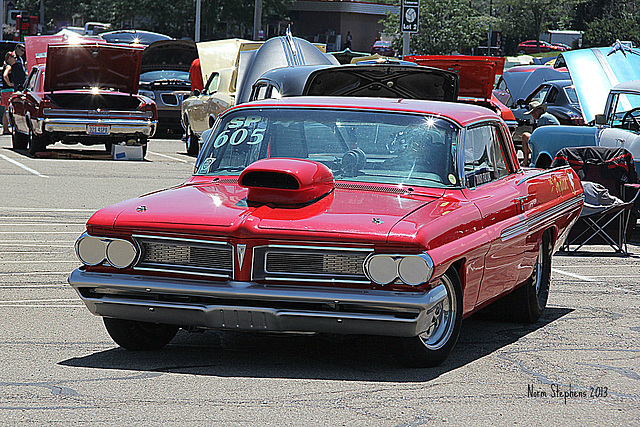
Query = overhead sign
x=409 y=16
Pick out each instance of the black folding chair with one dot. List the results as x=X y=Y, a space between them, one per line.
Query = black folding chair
x=608 y=175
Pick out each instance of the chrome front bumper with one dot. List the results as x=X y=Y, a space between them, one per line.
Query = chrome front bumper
x=248 y=306
x=116 y=126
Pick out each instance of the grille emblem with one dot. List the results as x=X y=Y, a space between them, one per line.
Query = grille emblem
x=241 y=249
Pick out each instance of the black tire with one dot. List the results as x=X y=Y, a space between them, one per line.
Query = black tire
x=144 y=141
x=530 y=300
x=139 y=336
x=521 y=52
x=19 y=140
x=108 y=146
x=433 y=346
x=193 y=145
x=36 y=143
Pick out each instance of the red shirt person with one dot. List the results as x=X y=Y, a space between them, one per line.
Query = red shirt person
x=195 y=75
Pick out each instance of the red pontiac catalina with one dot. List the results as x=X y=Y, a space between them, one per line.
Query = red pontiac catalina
x=87 y=95
x=333 y=215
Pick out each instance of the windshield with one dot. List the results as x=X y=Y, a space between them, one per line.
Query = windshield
x=382 y=147
x=623 y=103
x=153 y=76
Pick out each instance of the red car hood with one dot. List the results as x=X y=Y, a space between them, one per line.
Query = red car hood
x=202 y=209
x=100 y=65
x=477 y=73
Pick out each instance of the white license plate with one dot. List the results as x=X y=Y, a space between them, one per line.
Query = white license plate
x=98 y=129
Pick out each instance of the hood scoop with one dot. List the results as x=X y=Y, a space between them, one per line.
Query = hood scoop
x=289 y=182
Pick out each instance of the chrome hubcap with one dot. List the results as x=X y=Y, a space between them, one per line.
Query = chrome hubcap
x=444 y=319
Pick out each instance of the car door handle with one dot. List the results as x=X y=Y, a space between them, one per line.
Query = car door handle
x=520 y=203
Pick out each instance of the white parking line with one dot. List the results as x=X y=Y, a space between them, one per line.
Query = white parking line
x=23 y=209
x=168 y=157
x=23 y=301
x=575 y=276
x=36 y=262
x=43 y=305
x=28 y=169
x=38 y=232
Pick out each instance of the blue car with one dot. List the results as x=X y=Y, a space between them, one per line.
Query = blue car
x=607 y=82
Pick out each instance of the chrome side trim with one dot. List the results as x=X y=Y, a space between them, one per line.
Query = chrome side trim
x=534 y=221
x=542 y=172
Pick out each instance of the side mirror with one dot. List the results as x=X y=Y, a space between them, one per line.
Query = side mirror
x=195 y=92
x=601 y=119
x=521 y=102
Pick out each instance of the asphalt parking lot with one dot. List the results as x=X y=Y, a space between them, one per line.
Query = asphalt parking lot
x=580 y=364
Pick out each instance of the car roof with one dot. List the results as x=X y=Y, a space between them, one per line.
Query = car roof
x=461 y=113
x=629 y=86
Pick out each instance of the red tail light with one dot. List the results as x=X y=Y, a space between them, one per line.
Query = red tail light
x=149 y=107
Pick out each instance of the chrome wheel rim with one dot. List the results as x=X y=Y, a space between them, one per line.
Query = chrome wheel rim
x=444 y=318
x=537 y=270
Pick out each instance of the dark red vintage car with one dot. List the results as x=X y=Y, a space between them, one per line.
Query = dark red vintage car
x=86 y=93
x=333 y=215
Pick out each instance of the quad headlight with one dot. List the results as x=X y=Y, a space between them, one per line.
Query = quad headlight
x=413 y=270
x=95 y=250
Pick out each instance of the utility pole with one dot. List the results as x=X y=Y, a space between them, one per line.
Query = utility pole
x=196 y=37
x=257 y=19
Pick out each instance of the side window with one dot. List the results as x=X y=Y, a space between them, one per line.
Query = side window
x=484 y=159
x=212 y=84
x=259 y=91
x=540 y=94
x=553 y=95
x=30 y=83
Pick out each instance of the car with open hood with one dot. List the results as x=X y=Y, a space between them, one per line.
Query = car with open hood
x=337 y=215
x=83 y=93
x=385 y=79
x=607 y=82
x=478 y=75
x=230 y=67
x=165 y=79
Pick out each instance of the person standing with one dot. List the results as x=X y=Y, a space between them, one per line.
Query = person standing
x=538 y=113
x=19 y=72
x=349 y=38
x=7 y=89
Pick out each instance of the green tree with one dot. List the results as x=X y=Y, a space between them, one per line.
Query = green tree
x=445 y=26
x=605 y=21
x=523 y=20
x=175 y=18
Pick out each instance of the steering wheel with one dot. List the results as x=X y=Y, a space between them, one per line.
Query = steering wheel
x=634 y=124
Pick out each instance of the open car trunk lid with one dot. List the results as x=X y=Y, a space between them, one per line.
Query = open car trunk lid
x=99 y=65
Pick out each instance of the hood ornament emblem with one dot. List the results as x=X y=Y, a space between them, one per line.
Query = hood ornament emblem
x=241 y=250
x=377 y=221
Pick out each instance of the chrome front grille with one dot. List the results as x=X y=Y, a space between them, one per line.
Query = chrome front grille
x=299 y=263
x=185 y=256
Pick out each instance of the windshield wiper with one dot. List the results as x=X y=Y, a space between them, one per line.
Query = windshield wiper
x=229 y=168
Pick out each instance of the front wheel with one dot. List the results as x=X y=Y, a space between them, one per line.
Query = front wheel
x=193 y=146
x=432 y=346
x=139 y=336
